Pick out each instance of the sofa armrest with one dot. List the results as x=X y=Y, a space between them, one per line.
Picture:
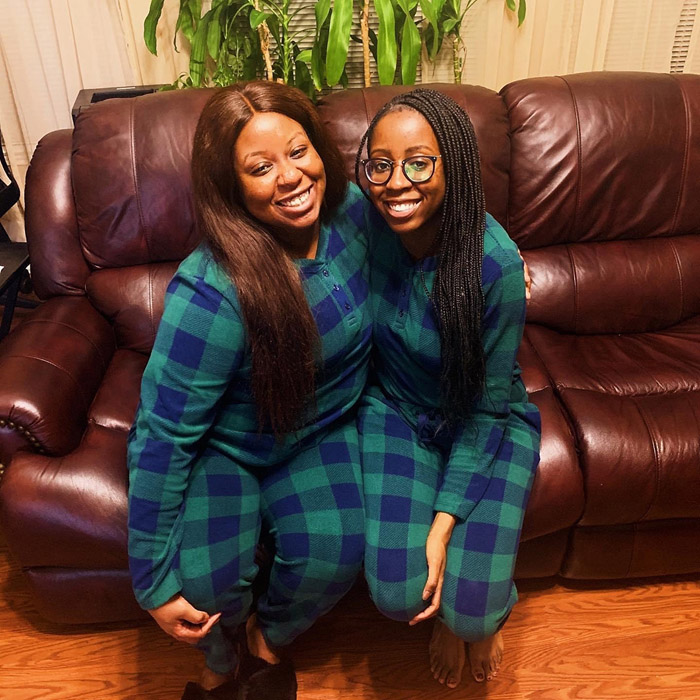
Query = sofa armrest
x=50 y=369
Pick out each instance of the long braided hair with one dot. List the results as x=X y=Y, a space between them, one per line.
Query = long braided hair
x=457 y=292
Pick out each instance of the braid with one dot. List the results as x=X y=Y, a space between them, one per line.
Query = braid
x=457 y=292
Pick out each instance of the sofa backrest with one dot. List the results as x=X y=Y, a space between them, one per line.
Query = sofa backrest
x=593 y=175
x=604 y=190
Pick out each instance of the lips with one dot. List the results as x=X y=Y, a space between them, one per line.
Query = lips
x=402 y=208
x=296 y=201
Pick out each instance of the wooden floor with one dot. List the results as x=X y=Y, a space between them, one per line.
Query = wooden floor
x=562 y=642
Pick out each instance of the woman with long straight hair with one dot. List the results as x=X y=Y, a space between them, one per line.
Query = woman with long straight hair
x=448 y=439
x=246 y=422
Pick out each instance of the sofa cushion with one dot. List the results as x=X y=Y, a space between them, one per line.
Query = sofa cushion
x=132 y=299
x=115 y=405
x=556 y=500
x=71 y=511
x=634 y=403
x=131 y=178
x=603 y=156
x=615 y=286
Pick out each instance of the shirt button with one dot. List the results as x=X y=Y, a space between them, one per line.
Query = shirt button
x=347 y=306
x=325 y=273
x=401 y=313
x=336 y=287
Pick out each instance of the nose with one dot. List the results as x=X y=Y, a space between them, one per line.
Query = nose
x=289 y=174
x=398 y=181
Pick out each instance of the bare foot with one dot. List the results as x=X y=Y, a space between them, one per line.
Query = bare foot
x=210 y=680
x=447 y=656
x=485 y=657
x=256 y=642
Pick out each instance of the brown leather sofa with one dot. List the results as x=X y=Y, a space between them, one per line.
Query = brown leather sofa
x=595 y=176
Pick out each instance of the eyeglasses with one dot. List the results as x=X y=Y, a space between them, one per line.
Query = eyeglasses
x=417 y=169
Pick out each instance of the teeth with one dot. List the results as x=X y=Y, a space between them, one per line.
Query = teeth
x=297 y=201
x=403 y=206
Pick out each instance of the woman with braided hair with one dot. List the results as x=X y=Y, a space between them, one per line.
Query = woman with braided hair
x=448 y=440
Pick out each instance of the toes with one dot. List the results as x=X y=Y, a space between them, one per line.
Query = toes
x=452 y=682
x=479 y=672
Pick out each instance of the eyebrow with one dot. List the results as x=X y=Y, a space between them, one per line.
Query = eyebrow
x=420 y=148
x=263 y=153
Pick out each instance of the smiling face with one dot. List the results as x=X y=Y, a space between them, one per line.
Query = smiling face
x=281 y=177
x=412 y=210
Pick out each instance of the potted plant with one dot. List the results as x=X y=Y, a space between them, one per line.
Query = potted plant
x=243 y=39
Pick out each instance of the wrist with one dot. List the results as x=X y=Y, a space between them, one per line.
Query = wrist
x=443 y=524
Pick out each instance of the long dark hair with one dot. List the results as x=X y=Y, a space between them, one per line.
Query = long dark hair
x=281 y=330
x=457 y=292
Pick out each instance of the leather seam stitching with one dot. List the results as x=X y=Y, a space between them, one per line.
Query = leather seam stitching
x=657 y=465
x=150 y=299
x=60 y=369
x=31 y=321
x=684 y=174
x=680 y=277
x=574 y=278
x=579 y=151
x=135 y=176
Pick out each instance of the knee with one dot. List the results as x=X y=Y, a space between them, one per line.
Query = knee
x=397 y=600
x=478 y=610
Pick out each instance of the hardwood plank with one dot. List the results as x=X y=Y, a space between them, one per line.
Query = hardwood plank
x=636 y=640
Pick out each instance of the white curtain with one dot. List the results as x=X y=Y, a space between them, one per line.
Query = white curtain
x=49 y=51
x=572 y=36
x=149 y=69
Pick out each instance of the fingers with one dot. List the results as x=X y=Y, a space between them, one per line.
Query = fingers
x=528 y=281
x=426 y=614
x=190 y=614
x=190 y=633
x=183 y=621
x=206 y=627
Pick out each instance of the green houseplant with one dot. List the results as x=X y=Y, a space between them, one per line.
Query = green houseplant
x=243 y=39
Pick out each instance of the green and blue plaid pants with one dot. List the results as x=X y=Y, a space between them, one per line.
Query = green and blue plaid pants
x=402 y=469
x=311 y=506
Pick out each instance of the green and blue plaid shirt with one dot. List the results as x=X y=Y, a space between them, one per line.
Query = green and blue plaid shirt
x=196 y=387
x=407 y=355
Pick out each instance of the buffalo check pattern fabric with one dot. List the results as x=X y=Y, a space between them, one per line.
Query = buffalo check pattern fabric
x=413 y=465
x=203 y=479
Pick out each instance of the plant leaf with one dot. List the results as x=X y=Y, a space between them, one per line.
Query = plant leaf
x=432 y=36
x=257 y=17
x=198 y=51
x=522 y=10
x=386 y=41
x=150 y=24
x=304 y=56
x=214 y=34
x=317 y=67
x=410 y=51
x=511 y=5
x=322 y=10
x=338 y=40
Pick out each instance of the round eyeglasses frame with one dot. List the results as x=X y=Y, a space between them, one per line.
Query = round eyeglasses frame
x=366 y=164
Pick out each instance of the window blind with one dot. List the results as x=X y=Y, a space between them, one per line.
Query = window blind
x=684 y=34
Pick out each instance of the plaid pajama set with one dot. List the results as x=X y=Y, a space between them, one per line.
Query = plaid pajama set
x=414 y=465
x=204 y=481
